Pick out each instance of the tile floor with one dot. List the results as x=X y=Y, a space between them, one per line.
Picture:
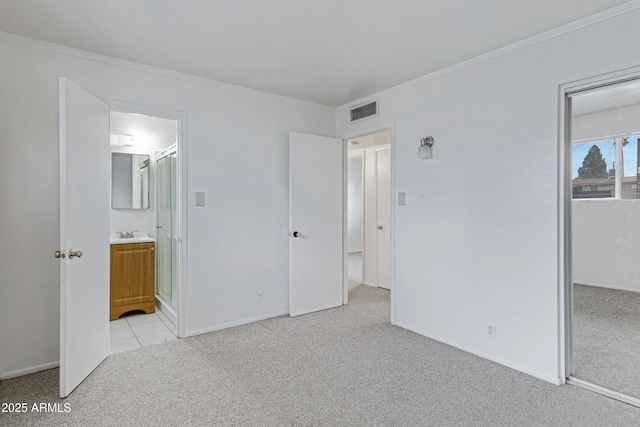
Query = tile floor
x=139 y=330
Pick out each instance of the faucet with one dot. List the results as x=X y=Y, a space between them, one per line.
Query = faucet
x=126 y=235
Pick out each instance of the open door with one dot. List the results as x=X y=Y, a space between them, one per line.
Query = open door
x=315 y=223
x=84 y=234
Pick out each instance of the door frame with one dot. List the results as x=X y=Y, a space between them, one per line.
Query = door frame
x=345 y=138
x=354 y=154
x=182 y=200
x=565 y=197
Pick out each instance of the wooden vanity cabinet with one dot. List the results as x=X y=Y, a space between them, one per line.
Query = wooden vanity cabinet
x=133 y=267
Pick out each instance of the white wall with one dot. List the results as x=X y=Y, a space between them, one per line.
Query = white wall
x=477 y=242
x=606 y=243
x=354 y=205
x=237 y=150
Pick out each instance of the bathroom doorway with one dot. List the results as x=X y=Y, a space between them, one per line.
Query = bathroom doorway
x=148 y=233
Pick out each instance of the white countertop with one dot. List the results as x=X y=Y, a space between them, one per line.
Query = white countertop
x=138 y=237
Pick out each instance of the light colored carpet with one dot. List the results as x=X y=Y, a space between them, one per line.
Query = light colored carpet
x=346 y=366
x=606 y=337
x=354 y=269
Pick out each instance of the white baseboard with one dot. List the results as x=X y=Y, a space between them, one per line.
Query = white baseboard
x=29 y=370
x=515 y=366
x=233 y=324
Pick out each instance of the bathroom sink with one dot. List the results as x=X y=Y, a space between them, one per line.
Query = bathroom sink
x=138 y=237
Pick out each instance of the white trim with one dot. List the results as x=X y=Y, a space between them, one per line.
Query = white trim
x=236 y=323
x=355 y=154
x=29 y=370
x=601 y=80
x=345 y=222
x=110 y=60
x=603 y=391
x=505 y=50
x=392 y=220
x=564 y=308
x=508 y=364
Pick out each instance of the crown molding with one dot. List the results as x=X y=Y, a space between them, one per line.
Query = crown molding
x=505 y=50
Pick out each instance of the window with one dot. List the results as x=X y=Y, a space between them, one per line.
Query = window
x=594 y=174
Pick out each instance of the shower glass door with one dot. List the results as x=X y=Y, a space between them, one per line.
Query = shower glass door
x=166 y=235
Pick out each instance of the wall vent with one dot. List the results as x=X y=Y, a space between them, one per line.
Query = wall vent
x=363 y=111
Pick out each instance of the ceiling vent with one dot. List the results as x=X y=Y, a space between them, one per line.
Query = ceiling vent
x=363 y=111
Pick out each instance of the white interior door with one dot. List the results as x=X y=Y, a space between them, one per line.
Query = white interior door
x=84 y=227
x=315 y=222
x=383 y=190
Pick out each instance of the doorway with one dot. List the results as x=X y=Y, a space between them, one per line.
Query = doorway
x=369 y=211
x=145 y=299
x=602 y=207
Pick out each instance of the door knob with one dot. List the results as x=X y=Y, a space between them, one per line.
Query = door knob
x=74 y=254
x=379 y=227
x=59 y=254
x=295 y=234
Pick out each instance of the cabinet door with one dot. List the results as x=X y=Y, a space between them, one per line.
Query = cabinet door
x=132 y=273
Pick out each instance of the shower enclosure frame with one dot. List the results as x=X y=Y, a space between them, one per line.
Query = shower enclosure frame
x=167 y=237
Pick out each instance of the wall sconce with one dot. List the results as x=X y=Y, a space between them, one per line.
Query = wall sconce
x=424 y=151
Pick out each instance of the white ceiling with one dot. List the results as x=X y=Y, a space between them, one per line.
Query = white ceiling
x=327 y=51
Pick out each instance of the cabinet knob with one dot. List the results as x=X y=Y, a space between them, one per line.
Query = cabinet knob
x=152 y=249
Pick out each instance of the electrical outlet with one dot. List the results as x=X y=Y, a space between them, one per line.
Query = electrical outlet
x=259 y=298
x=491 y=330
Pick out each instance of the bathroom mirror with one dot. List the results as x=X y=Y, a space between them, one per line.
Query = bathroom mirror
x=129 y=181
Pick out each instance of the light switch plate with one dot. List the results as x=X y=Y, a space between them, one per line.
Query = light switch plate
x=402 y=199
x=199 y=198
